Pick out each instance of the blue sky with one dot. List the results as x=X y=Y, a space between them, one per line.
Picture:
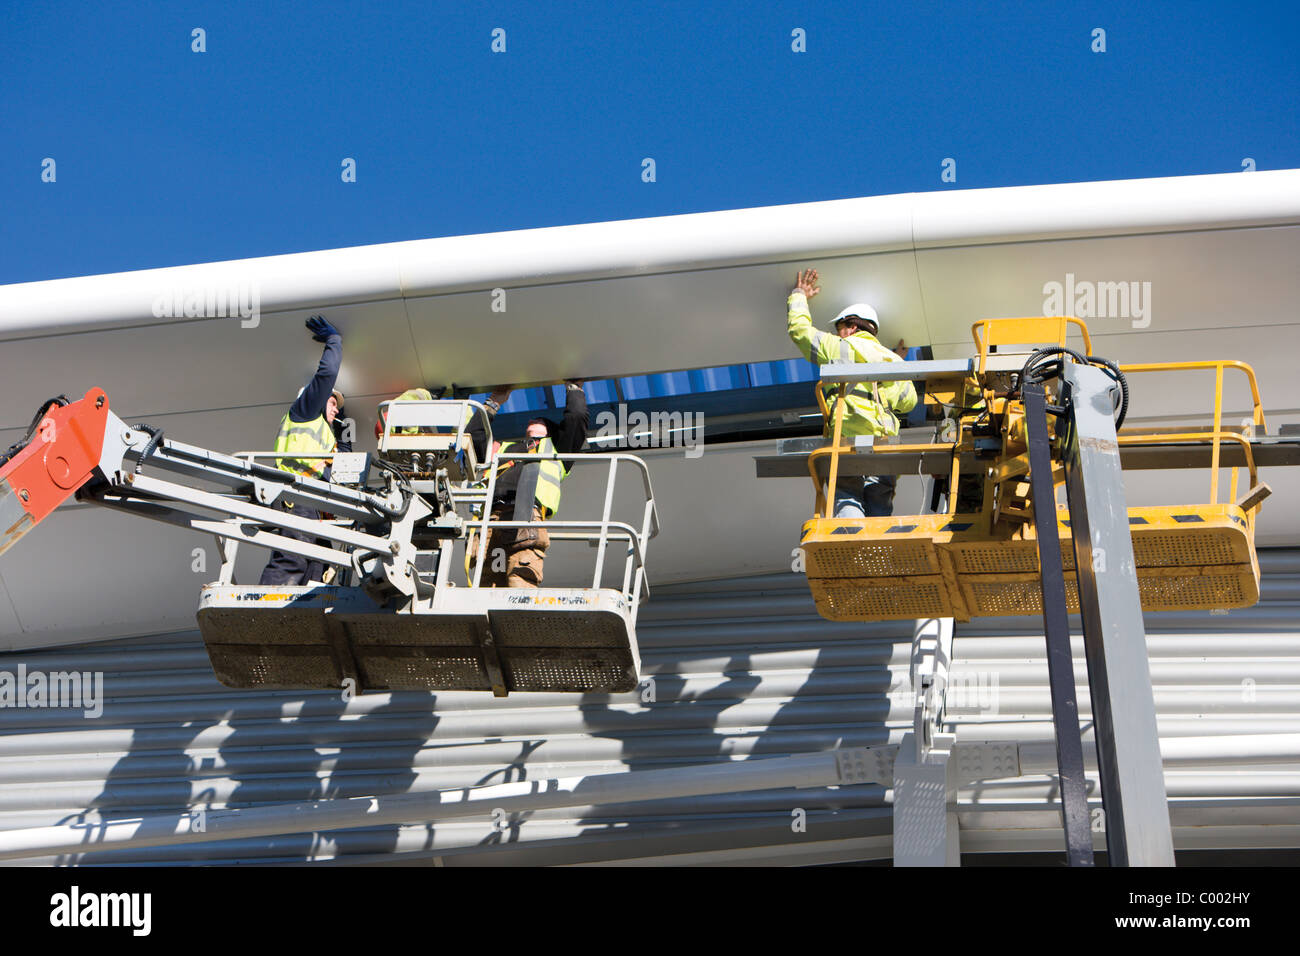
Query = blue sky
x=165 y=156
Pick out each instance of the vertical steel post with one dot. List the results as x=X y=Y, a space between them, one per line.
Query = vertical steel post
x=925 y=823
x=228 y=548
x=487 y=516
x=1119 y=673
x=1056 y=626
x=604 y=523
x=925 y=826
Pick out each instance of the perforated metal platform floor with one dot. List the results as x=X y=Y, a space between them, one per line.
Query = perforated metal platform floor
x=899 y=568
x=568 y=640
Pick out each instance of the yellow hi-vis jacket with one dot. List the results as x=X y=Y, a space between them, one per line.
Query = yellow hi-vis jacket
x=311 y=437
x=871 y=406
x=550 y=475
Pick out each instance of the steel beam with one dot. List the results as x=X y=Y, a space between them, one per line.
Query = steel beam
x=1119 y=674
x=791 y=459
x=922 y=370
x=1056 y=627
x=917 y=371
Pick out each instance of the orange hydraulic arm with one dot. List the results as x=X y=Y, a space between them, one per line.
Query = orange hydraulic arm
x=58 y=456
x=82 y=448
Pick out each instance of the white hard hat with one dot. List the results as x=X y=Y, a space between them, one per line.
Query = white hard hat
x=863 y=311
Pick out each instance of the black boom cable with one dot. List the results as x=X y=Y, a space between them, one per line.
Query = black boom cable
x=1036 y=370
x=21 y=443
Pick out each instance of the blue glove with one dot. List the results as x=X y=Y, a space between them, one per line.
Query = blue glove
x=320 y=329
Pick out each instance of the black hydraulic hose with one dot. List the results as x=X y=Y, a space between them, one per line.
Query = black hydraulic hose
x=19 y=445
x=394 y=514
x=1035 y=370
x=156 y=434
x=12 y=450
x=357 y=555
x=45 y=407
x=1113 y=370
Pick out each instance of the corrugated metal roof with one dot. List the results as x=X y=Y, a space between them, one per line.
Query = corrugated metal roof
x=741 y=669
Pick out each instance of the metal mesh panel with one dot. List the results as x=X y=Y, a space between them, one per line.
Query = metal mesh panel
x=1230 y=588
x=881 y=600
x=250 y=625
x=566 y=650
x=1188 y=557
x=854 y=559
x=278 y=666
x=554 y=670
x=1182 y=547
x=406 y=630
x=419 y=668
x=998 y=596
x=1233 y=588
x=1067 y=555
x=567 y=629
x=1210 y=547
x=994 y=556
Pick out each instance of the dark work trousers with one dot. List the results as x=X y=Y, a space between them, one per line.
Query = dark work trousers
x=869 y=497
x=287 y=570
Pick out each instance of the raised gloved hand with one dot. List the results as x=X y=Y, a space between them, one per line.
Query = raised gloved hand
x=320 y=329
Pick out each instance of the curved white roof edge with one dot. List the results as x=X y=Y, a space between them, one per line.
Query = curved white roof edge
x=665 y=244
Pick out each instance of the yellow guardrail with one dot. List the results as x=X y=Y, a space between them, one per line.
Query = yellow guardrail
x=996 y=333
x=1218 y=434
x=1024 y=331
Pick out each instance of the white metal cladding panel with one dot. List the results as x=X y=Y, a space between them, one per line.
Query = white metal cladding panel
x=742 y=669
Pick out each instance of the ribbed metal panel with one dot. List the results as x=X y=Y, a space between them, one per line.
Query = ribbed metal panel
x=741 y=669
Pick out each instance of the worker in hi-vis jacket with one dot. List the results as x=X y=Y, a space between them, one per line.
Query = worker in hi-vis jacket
x=310 y=426
x=515 y=555
x=870 y=408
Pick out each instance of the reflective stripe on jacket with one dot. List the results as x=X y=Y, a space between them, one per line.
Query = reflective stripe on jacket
x=311 y=437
